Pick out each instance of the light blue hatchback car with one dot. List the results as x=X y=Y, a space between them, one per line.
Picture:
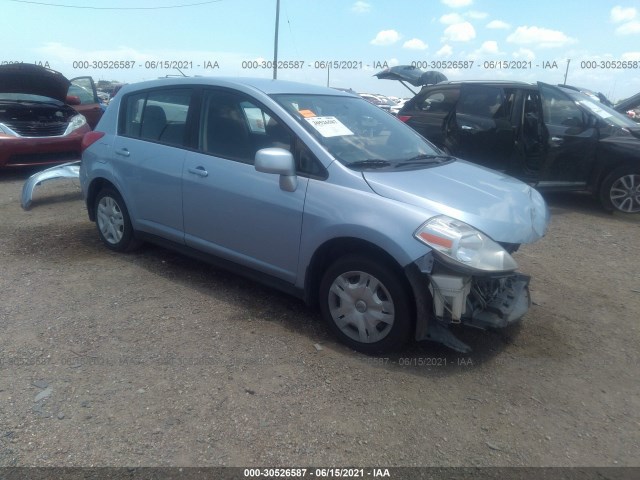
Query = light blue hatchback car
x=320 y=194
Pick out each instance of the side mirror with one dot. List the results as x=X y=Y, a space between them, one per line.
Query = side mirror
x=73 y=100
x=279 y=162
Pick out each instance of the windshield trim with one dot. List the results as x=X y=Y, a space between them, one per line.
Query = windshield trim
x=620 y=120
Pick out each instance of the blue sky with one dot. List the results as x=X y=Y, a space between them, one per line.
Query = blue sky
x=231 y=35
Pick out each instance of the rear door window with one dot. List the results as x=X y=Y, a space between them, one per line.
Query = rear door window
x=439 y=101
x=482 y=101
x=158 y=116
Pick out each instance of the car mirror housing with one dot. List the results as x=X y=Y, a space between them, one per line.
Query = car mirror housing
x=280 y=162
x=73 y=100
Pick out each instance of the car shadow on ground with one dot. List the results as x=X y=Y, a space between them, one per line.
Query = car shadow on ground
x=261 y=303
x=12 y=175
x=562 y=203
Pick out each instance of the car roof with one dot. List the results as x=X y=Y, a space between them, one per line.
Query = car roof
x=265 y=85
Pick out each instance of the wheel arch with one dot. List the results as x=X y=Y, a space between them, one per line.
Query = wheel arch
x=335 y=248
x=92 y=192
x=614 y=159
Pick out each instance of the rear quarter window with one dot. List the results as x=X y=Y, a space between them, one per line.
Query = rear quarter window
x=157 y=115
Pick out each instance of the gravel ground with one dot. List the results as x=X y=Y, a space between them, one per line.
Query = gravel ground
x=153 y=359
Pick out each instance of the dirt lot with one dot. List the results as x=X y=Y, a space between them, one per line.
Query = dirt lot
x=152 y=359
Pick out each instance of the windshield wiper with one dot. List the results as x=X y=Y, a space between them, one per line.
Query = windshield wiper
x=424 y=158
x=371 y=163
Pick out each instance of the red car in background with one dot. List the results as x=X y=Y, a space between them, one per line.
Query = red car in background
x=40 y=123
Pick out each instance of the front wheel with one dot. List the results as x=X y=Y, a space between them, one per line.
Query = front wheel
x=621 y=190
x=113 y=222
x=366 y=304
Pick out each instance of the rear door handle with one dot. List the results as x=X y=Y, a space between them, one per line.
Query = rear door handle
x=123 y=151
x=200 y=171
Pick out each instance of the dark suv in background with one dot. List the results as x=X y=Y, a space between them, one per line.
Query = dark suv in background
x=552 y=137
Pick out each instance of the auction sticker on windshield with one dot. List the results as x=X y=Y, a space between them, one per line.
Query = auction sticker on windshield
x=329 y=126
x=596 y=109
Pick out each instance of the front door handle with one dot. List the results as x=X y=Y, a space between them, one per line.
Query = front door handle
x=200 y=171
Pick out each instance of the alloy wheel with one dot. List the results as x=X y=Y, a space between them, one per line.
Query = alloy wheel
x=625 y=193
x=110 y=220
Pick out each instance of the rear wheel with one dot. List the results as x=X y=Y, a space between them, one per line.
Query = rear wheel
x=366 y=304
x=620 y=191
x=113 y=222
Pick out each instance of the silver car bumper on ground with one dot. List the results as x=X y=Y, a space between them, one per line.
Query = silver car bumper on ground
x=66 y=170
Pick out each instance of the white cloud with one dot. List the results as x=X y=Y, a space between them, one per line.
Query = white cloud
x=460 y=32
x=386 y=37
x=631 y=56
x=628 y=28
x=621 y=14
x=498 y=24
x=524 y=53
x=415 y=44
x=541 y=37
x=445 y=51
x=474 y=14
x=457 y=3
x=451 y=18
x=489 y=47
x=361 y=7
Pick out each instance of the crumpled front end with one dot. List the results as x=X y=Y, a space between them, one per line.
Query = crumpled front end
x=447 y=297
x=483 y=302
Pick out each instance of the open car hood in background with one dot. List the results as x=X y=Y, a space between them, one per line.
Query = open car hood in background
x=412 y=75
x=628 y=103
x=33 y=80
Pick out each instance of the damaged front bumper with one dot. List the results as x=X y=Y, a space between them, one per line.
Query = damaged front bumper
x=481 y=301
x=66 y=170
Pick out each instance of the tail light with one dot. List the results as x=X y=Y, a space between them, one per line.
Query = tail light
x=90 y=138
x=404 y=118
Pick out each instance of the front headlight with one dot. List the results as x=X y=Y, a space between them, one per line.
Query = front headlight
x=464 y=245
x=75 y=123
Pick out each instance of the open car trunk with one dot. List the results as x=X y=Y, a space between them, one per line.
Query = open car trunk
x=412 y=75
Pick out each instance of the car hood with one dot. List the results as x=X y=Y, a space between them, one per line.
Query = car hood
x=412 y=75
x=500 y=206
x=628 y=103
x=34 y=80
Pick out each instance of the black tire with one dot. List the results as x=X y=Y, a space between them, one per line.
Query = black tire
x=113 y=222
x=370 y=320
x=620 y=190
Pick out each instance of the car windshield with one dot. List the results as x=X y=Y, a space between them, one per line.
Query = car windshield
x=359 y=134
x=608 y=114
